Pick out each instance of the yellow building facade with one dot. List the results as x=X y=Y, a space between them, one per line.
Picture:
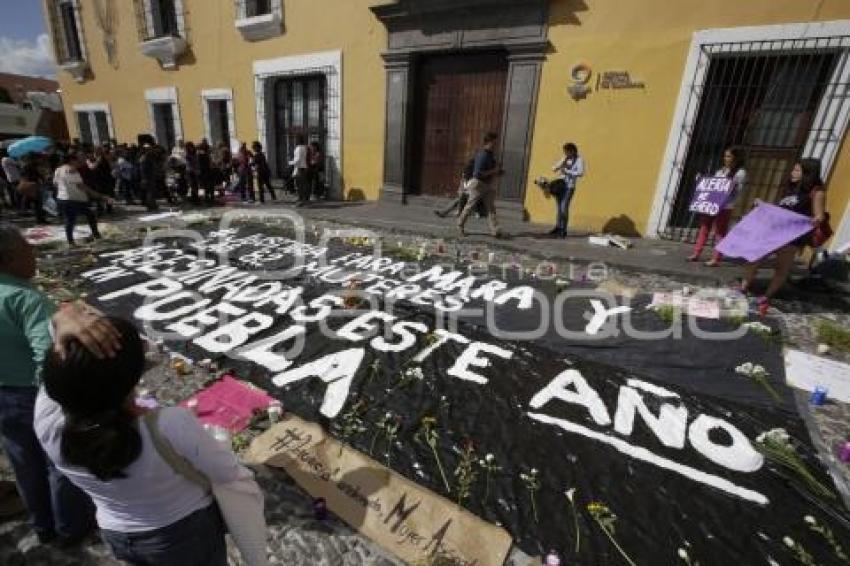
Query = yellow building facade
x=401 y=92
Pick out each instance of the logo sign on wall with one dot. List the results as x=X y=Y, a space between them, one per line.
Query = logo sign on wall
x=581 y=75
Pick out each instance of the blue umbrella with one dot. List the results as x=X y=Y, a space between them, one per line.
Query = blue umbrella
x=32 y=144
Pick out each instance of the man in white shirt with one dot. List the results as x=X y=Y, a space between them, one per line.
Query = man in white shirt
x=73 y=196
x=299 y=170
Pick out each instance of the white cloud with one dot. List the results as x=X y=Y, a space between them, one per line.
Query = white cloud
x=24 y=57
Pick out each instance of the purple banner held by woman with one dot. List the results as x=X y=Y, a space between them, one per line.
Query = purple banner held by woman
x=764 y=230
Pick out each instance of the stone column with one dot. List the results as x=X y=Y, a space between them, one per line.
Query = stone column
x=524 y=64
x=398 y=118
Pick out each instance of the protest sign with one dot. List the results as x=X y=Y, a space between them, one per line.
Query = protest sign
x=711 y=194
x=764 y=230
x=404 y=518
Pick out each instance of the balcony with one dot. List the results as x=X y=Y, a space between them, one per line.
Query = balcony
x=164 y=49
x=260 y=27
x=76 y=69
x=259 y=19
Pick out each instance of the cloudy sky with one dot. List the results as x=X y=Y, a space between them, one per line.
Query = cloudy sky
x=24 y=43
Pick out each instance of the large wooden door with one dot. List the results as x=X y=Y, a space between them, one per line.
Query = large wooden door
x=461 y=98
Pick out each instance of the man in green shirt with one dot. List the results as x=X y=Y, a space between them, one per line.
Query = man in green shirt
x=56 y=507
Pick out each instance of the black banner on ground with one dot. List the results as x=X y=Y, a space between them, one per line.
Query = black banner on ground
x=566 y=423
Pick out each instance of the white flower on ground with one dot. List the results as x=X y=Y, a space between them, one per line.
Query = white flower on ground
x=489 y=457
x=757 y=327
x=570 y=493
x=789 y=542
x=683 y=554
x=810 y=520
x=533 y=471
x=415 y=373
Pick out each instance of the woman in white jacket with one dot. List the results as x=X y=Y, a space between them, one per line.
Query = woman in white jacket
x=90 y=427
x=569 y=170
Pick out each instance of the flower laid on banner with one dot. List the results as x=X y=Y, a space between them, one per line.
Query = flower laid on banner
x=606 y=519
x=465 y=471
x=829 y=536
x=571 y=493
x=409 y=375
x=685 y=557
x=391 y=433
x=428 y=434
x=758 y=374
x=532 y=485
x=388 y=427
x=490 y=466
x=776 y=446
x=800 y=553
x=351 y=423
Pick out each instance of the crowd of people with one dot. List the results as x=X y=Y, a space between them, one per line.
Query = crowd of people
x=69 y=178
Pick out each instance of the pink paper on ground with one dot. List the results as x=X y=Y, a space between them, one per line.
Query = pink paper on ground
x=229 y=403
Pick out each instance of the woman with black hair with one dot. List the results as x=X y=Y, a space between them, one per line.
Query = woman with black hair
x=804 y=194
x=90 y=427
x=569 y=169
x=733 y=168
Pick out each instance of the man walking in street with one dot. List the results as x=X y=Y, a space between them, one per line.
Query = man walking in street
x=480 y=186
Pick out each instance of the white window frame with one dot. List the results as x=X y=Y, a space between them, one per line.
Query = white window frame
x=685 y=115
x=181 y=20
x=265 y=71
x=84 y=56
x=90 y=109
x=276 y=10
x=164 y=95
x=218 y=94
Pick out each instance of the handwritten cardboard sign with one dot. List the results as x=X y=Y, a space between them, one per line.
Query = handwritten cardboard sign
x=403 y=517
x=710 y=195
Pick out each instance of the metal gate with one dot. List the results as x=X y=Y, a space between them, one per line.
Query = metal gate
x=300 y=109
x=772 y=100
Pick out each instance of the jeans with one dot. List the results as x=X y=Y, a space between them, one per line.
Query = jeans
x=55 y=505
x=562 y=213
x=264 y=184
x=195 y=540
x=71 y=209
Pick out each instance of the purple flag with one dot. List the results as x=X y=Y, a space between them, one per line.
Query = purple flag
x=710 y=195
x=764 y=230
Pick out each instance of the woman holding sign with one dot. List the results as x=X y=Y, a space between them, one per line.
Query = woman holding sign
x=804 y=194
x=733 y=170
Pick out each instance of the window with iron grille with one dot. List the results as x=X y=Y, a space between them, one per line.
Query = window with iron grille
x=300 y=109
x=66 y=34
x=771 y=100
x=158 y=18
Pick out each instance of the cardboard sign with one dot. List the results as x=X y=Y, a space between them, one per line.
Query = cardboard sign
x=764 y=230
x=701 y=308
x=805 y=371
x=404 y=518
x=711 y=194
